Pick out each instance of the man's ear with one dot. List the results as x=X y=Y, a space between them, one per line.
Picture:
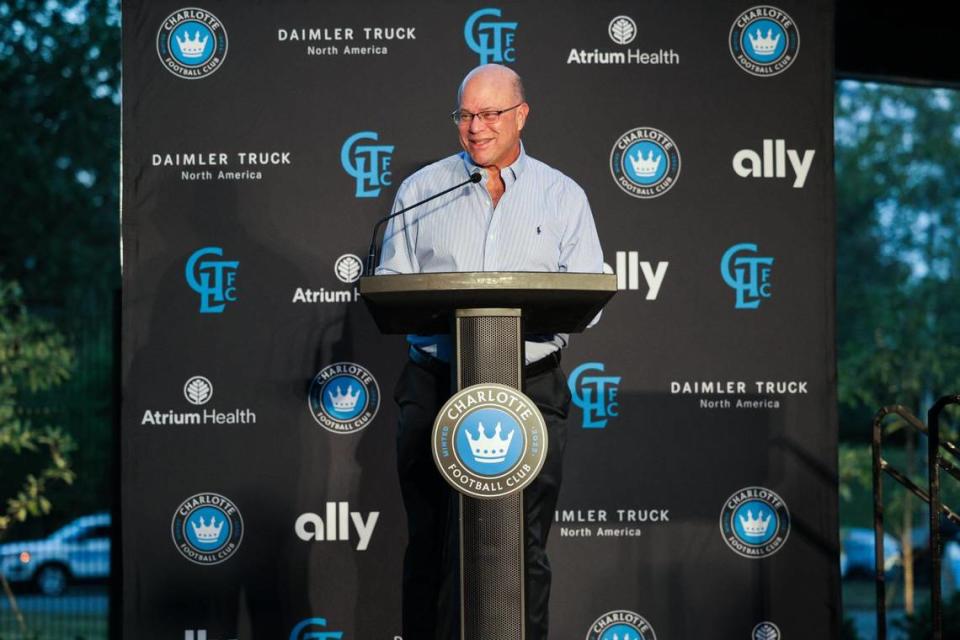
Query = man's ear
x=522 y=112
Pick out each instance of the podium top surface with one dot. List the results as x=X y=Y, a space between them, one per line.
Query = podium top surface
x=424 y=302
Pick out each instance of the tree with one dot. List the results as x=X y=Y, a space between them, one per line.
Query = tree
x=59 y=191
x=60 y=80
x=33 y=357
x=898 y=252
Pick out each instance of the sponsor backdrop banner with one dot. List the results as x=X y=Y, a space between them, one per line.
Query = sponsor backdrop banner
x=260 y=143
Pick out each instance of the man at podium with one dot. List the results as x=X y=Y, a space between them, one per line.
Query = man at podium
x=521 y=216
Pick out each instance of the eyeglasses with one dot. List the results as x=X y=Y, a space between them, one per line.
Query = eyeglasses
x=462 y=118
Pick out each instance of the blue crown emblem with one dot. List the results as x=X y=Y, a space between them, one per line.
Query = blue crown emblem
x=192 y=43
x=764 y=41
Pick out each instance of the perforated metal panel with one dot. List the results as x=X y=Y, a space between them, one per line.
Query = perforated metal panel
x=489 y=349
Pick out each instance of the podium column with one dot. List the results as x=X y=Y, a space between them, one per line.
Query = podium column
x=489 y=348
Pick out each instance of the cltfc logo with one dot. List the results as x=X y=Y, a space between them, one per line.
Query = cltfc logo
x=755 y=522
x=368 y=163
x=207 y=528
x=214 y=280
x=746 y=273
x=192 y=43
x=765 y=631
x=621 y=625
x=493 y=41
x=344 y=397
x=489 y=441
x=645 y=162
x=764 y=41
x=311 y=629
x=596 y=395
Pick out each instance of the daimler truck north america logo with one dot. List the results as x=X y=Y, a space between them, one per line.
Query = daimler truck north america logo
x=489 y=441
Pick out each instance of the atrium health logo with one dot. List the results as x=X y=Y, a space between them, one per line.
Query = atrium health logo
x=192 y=43
x=595 y=394
x=314 y=629
x=368 y=164
x=198 y=390
x=491 y=40
x=766 y=631
x=214 y=280
x=622 y=30
x=348 y=268
x=747 y=273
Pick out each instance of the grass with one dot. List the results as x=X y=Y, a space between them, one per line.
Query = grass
x=54 y=626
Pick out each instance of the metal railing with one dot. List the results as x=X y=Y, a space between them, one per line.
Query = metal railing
x=931 y=496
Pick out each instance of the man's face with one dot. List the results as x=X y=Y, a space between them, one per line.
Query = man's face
x=495 y=143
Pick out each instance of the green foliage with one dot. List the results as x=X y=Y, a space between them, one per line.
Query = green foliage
x=920 y=626
x=848 y=631
x=59 y=202
x=59 y=144
x=898 y=248
x=33 y=357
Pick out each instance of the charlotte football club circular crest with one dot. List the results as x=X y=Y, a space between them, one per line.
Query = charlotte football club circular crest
x=207 y=528
x=764 y=41
x=621 y=625
x=192 y=43
x=489 y=441
x=755 y=522
x=645 y=162
x=344 y=397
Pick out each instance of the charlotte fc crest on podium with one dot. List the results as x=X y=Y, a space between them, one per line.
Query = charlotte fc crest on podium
x=489 y=441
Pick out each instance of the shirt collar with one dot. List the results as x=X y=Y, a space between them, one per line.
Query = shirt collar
x=510 y=173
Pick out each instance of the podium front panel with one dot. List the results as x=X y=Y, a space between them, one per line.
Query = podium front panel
x=489 y=348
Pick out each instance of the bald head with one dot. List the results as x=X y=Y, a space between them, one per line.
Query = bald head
x=496 y=92
x=496 y=75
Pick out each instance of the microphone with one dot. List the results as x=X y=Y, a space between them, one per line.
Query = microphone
x=474 y=178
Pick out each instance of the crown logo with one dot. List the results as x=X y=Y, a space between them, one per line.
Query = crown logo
x=192 y=48
x=626 y=636
x=646 y=167
x=344 y=401
x=489 y=449
x=207 y=533
x=763 y=46
x=755 y=528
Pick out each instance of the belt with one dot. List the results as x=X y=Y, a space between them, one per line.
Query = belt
x=439 y=367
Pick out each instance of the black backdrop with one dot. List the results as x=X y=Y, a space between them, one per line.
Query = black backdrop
x=673 y=451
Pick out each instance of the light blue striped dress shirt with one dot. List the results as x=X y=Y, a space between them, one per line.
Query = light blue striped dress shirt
x=542 y=223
